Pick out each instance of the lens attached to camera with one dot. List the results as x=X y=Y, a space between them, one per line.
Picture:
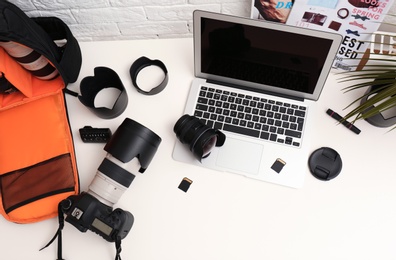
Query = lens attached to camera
x=130 y=140
x=198 y=136
x=93 y=209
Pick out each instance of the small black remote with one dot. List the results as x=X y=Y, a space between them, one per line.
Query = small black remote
x=95 y=135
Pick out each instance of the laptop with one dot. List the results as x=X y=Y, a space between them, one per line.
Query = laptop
x=257 y=82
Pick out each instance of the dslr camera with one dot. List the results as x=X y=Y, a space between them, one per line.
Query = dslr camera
x=93 y=209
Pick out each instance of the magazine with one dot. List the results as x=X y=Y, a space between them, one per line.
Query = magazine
x=271 y=10
x=355 y=20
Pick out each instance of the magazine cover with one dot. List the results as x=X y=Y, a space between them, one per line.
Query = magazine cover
x=271 y=10
x=355 y=20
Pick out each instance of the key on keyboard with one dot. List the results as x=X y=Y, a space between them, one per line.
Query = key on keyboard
x=267 y=119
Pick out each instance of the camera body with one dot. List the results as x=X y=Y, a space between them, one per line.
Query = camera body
x=84 y=212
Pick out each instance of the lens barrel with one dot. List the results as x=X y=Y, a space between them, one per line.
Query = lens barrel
x=130 y=140
x=31 y=60
x=116 y=173
x=110 y=181
x=198 y=136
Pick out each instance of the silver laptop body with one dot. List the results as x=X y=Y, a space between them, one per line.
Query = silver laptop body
x=257 y=73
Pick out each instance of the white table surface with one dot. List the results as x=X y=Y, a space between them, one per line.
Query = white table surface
x=224 y=216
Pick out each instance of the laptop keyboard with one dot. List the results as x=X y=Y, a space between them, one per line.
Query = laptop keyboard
x=262 y=118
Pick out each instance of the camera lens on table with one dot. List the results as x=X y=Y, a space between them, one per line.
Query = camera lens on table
x=200 y=138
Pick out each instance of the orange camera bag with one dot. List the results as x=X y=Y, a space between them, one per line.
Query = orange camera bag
x=37 y=160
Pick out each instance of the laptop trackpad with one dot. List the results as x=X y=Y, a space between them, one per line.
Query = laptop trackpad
x=240 y=156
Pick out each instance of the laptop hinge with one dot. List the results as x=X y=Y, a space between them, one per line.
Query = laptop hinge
x=254 y=90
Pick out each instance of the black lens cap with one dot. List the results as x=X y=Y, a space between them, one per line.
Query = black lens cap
x=325 y=163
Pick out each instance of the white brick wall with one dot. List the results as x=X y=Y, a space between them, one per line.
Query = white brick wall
x=133 y=19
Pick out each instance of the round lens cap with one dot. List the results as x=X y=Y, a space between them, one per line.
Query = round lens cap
x=325 y=163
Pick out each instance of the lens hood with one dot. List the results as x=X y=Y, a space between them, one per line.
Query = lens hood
x=91 y=86
x=131 y=140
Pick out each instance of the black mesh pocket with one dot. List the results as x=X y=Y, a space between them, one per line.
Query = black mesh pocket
x=26 y=185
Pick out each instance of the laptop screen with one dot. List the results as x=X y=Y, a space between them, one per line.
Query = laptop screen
x=262 y=55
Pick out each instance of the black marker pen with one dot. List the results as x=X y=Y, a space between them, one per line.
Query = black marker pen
x=339 y=118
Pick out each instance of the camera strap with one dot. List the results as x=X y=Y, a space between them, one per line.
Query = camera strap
x=58 y=235
x=118 y=248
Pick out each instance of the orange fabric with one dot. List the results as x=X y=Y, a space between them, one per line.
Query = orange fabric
x=32 y=133
x=33 y=128
x=29 y=86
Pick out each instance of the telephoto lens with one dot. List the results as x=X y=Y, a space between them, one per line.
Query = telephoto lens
x=31 y=60
x=93 y=209
x=130 y=140
x=198 y=136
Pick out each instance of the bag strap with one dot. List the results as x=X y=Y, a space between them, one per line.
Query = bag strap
x=70 y=62
x=39 y=34
x=16 y=26
x=58 y=234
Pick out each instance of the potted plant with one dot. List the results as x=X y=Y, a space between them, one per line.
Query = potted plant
x=378 y=77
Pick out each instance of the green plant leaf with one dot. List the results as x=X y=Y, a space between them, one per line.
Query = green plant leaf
x=379 y=71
